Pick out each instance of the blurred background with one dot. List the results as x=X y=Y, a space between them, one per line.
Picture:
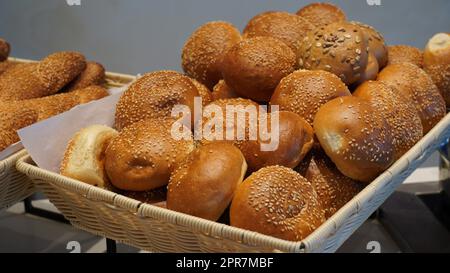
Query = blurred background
x=137 y=36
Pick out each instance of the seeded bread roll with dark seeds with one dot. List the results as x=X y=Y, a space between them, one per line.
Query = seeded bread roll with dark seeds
x=254 y=67
x=322 y=14
x=416 y=84
x=279 y=202
x=398 y=54
x=287 y=27
x=376 y=43
x=371 y=71
x=203 y=52
x=340 y=48
x=399 y=112
x=356 y=137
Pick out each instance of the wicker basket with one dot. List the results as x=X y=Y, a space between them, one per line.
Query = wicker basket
x=15 y=186
x=159 y=230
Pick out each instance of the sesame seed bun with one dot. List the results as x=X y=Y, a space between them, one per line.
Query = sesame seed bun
x=203 y=91
x=5 y=65
x=437 y=63
x=340 y=48
x=5 y=49
x=413 y=82
x=223 y=91
x=204 y=50
x=255 y=66
x=398 y=54
x=399 y=112
x=153 y=96
x=240 y=120
x=84 y=156
x=205 y=182
x=90 y=93
x=376 y=43
x=333 y=189
x=304 y=92
x=295 y=140
x=47 y=77
x=356 y=137
x=93 y=74
x=279 y=202
x=287 y=27
x=13 y=118
x=322 y=14
x=144 y=154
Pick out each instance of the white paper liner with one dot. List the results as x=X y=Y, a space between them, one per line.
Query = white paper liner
x=46 y=141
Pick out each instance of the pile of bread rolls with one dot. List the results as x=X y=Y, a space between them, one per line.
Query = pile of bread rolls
x=349 y=106
x=31 y=92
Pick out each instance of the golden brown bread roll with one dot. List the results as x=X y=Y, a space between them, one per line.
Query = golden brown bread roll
x=223 y=91
x=255 y=66
x=356 y=137
x=204 y=50
x=53 y=105
x=285 y=26
x=153 y=96
x=206 y=180
x=5 y=49
x=155 y=197
x=35 y=80
x=340 y=48
x=294 y=140
x=398 y=54
x=239 y=120
x=376 y=43
x=85 y=155
x=304 y=91
x=322 y=14
x=279 y=202
x=371 y=71
x=415 y=83
x=399 y=112
x=333 y=189
x=437 y=63
x=13 y=118
x=93 y=74
x=144 y=154
x=90 y=93
x=203 y=91
x=5 y=65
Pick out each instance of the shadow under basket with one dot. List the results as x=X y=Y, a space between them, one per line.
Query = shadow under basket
x=15 y=186
x=156 y=229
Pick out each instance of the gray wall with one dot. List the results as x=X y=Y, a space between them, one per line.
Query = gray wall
x=135 y=36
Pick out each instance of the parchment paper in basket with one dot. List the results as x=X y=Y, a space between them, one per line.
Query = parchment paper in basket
x=11 y=150
x=46 y=141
